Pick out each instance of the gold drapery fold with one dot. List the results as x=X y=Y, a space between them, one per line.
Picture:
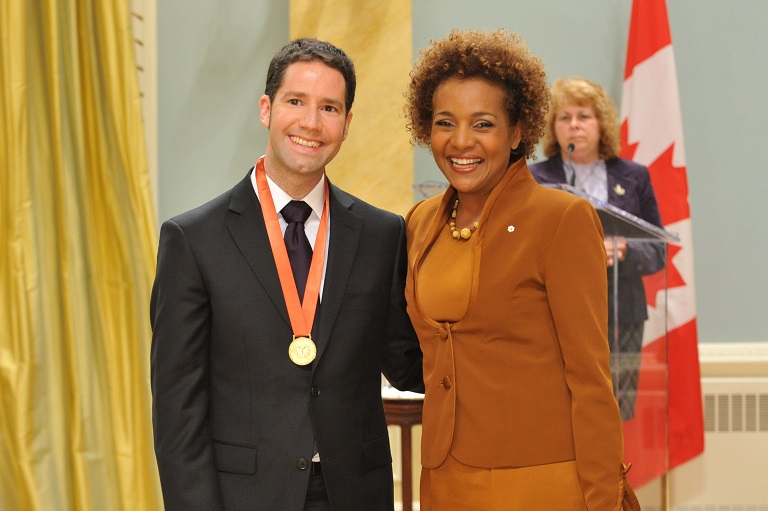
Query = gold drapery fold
x=376 y=161
x=77 y=245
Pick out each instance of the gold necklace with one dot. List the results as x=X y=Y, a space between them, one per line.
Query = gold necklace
x=466 y=232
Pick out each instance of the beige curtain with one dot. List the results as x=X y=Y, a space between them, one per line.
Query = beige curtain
x=376 y=161
x=77 y=247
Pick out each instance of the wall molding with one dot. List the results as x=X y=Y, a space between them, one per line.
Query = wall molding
x=732 y=359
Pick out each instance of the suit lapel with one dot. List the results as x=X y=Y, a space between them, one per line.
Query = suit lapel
x=557 y=169
x=615 y=182
x=249 y=233
x=346 y=228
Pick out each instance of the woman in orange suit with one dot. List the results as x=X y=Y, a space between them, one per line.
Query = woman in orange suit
x=507 y=291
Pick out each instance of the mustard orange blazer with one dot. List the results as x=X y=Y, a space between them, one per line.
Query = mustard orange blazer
x=524 y=378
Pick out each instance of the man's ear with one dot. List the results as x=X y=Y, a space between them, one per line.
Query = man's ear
x=265 y=110
x=346 y=125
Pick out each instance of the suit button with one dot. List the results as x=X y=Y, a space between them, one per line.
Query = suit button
x=314 y=391
x=442 y=333
x=302 y=464
x=446 y=382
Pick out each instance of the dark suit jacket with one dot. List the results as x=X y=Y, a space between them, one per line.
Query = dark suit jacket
x=234 y=418
x=639 y=200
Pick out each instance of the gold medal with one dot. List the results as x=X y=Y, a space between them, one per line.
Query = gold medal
x=301 y=314
x=302 y=350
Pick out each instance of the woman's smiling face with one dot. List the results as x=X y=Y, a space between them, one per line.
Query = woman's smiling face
x=471 y=137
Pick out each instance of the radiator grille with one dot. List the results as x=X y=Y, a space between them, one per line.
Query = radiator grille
x=735 y=413
x=730 y=474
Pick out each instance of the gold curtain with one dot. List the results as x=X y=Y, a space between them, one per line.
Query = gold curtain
x=376 y=161
x=77 y=247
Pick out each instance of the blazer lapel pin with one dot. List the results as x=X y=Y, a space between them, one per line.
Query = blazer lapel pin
x=619 y=190
x=510 y=228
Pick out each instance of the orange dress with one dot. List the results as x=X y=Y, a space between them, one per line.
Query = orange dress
x=518 y=411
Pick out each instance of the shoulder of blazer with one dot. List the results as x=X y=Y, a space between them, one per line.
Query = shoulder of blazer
x=237 y=200
x=537 y=199
x=621 y=168
x=344 y=199
x=548 y=171
x=424 y=208
x=422 y=215
x=358 y=207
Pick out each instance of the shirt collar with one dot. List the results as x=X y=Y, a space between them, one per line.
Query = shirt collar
x=315 y=198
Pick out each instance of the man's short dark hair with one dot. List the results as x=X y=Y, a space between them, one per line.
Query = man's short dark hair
x=307 y=50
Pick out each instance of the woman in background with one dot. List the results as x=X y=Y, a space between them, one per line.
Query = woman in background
x=507 y=292
x=582 y=144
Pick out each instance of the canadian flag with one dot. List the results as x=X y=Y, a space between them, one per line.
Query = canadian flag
x=664 y=433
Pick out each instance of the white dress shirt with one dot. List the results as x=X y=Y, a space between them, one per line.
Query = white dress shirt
x=316 y=200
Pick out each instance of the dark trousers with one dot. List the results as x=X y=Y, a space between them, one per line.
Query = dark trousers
x=317 y=497
x=625 y=365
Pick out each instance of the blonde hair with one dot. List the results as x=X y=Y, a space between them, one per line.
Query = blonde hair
x=583 y=92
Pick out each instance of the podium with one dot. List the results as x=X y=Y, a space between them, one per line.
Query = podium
x=403 y=409
x=404 y=413
x=639 y=351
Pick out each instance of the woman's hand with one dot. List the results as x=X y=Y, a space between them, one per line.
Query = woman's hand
x=616 y=249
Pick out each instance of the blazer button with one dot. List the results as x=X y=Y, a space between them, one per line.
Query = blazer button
x=446 y=382
x=314 y=391
x=442 y=333
x=302 y=464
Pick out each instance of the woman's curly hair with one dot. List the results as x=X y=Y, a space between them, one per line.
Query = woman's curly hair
x=500 y=57
x=583 y=92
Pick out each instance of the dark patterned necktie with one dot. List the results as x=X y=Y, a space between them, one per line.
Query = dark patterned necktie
x=299 y=250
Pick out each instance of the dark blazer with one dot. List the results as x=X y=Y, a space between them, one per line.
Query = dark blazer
x=234 y=419
x=638 y=199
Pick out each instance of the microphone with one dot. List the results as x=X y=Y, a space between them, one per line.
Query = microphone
x=570 y=165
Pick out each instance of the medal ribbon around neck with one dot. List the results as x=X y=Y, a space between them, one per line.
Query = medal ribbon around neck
x=301 y=315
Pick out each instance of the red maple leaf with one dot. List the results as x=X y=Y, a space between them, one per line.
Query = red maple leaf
x=663 y=279
x=671 y=187
x=627 y=150
x=670 y=183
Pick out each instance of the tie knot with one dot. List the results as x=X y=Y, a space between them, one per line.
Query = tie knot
x=296 y=211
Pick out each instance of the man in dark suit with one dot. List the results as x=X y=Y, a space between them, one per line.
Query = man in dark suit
x=261 y=402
